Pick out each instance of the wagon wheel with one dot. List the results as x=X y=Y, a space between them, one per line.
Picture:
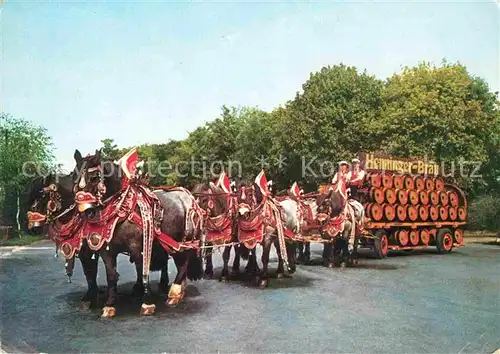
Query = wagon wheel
x=377 y=212
x=414 y=237
x=425 y=237
x=390 y=196
x=453 y=197
x=376 y=180
x=429 y=184
x=443 y=198
x=413 y=197
x=402 y=237
x=377 y=195
x=419 y=183
x=381 y=244
x=401 y=212
x=443 y=213
x=444 y=240
x=462 y=213
x=434 y=213
x=423 y=212
x=387 y=180
x=459 y=236
x=412 y=213
x=424 y=197
x=453 y=213
x=399 y=182
x=434 y=197
x=389 y=212
x=439 y=184
x=432 y=234
x=402 y=196
x=409 y=184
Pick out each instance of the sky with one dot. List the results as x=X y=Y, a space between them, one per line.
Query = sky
x=146 y=72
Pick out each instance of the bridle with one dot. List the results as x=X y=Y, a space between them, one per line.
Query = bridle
x=81 y=182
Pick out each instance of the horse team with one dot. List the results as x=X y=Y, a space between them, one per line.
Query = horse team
x=101 y=210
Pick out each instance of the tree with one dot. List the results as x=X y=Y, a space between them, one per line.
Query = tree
x=440 y=112
x=110 y=150
x=25 y=151
x=329 y=121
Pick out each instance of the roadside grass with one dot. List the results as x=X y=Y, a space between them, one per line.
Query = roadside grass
x=24 y=240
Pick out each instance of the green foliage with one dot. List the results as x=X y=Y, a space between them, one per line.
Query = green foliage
x=484 y=214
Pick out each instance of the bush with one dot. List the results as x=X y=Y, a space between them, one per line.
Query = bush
x=484 y=214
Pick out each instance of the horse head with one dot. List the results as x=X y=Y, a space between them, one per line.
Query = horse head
x=248 y=197
x=329 y=205
x=47 y=198
x=94 y=180
x=212 y=199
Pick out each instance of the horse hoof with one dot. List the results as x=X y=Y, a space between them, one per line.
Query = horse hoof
x=147 y=310
x=280 y=276
x=223 y=279
x=330 y=265
x=263 y=283
x=173 y=302
x=108 y=312
x=85 y=305
x=342 y=265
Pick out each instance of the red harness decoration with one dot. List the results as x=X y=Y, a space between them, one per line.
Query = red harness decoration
x=219 y=229
x=66 y=235
x=336 y=225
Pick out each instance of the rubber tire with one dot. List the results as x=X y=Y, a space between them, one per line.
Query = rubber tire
x=381 y=237
x=440 y=240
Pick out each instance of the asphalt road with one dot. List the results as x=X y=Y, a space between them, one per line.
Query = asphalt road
x=408 y=303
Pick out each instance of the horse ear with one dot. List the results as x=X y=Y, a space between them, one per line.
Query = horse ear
x=97 y=156
x=78 y=156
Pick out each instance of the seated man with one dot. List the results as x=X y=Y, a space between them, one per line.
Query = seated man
x=340 y=180
x=355 y=178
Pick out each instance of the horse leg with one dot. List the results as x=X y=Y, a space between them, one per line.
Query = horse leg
x=225 y=270
x=89 y=267
x=109 y=259
x=176 y=292
x=307 y=253
x=164 y=280
x=209 y=267
x=237 y=258
x=266 y=249
x=138 y=289
x=280 y=272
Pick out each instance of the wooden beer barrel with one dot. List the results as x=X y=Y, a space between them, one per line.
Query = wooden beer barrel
x=401 y=237
x=439 y=184
x=443 y=198
x=402 y=196
x=424 y=197
x=462 y=213
x=425 y=237
x=387 y=180
x=453 y=198
x=413 y=196
x=412 y=212
x=434 y=197
x=399 y=182
x=377 y=195
x=389 y=212
x=434 y=212
x=375 y=180
x=390 y=196
x=409 y=184
x=453 y=211
x=419 y=183
x=443 y=213
x=429 y=184
x=414 y=237
x=377 y=212
x=423 y=212
x=401 y=212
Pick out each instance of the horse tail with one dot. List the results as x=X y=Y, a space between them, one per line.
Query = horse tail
x=195 y=266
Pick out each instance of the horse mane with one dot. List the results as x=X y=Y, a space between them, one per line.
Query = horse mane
x=34 y=189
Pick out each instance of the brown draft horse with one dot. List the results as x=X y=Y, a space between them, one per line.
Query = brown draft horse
x=220 y=227
x=257 y=228
x=330 y=207
x=102 y=182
